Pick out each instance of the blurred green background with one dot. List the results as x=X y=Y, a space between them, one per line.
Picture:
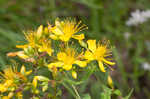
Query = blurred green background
x=105 y=19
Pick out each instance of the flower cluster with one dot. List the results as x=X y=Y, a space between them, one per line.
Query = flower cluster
x=138 y=17
x=11 y=80
x=62 y=49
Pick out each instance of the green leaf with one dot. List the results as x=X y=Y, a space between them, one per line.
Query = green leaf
x=129 y=95
x=2 y=62
x=88 y=73
x=59 y=93
x=44 y=88
x=42 y=78
x=103 y=96
x=73 y=82
x=69 y=89
x=86 y=96
x=12 y=36
x=85 y=78
x=107 y=93
x=117 y=92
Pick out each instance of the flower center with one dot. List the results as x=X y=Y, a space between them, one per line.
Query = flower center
x=99 y=53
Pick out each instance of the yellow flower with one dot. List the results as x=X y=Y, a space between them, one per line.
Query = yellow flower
x=19 y=95
x=19 y=54
x=3 y=88
x=9 y=77
x=10 y=95
x=48 y=30
x=99 y=52
x=46 y=47
x=67 y=58
x=5 y=97
x=32 y=37
x=67 y=29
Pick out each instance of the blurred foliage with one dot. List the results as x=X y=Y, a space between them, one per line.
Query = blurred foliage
x=106 y=19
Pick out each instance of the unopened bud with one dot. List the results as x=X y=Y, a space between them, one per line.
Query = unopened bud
x=74 y=74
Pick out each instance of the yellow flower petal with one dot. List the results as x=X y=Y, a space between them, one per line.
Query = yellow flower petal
x=83 y=44
x=49 y=51
x=108 y=62
x=22 y=46
x=65 y=38
x=92 y=45
x=67 y=67
x=19 y=95
x=42 y=78
x=46 y=31
x=22 y=55
x=2 y=88
x=81 y=63
x=8 y=83
x=54 y=37
x=56 y=30
x=41 y=49
x=88 y=55
x=28 y=72
x=10 y=95
x=5 y=97
x=12 y=54
x=78 y=37
x=101 y=66
x=23 y=70
x=61 y=56
x=56 y=64
x=34 y=82
x=39 y=31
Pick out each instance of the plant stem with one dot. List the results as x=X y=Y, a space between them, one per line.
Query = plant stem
x=77 y=94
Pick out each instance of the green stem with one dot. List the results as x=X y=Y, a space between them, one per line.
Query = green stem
x=77 y=94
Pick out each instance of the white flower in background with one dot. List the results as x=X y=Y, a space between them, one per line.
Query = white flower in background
x=146 y=14
x=146 y=66
x=138 y=17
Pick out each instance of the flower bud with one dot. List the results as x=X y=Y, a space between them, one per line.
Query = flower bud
x=110 y=82
x=74 y=74
x=39 y=31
